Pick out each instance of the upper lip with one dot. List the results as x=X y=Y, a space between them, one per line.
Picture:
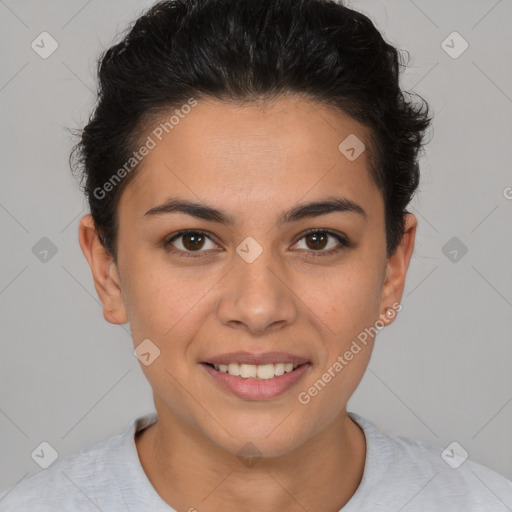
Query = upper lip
x=256 y=359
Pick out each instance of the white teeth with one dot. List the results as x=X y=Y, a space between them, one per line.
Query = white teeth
x=248 y=371
x=234 y=369
x=265 y=371
x=279 y=369
x=253 y=371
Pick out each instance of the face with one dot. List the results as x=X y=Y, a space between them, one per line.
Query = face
x=282 y=265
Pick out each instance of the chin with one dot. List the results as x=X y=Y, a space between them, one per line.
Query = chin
x=265 y=438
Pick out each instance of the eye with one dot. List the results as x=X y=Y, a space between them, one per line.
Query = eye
x=318 y=239
x=192 y=241
x=187 y=242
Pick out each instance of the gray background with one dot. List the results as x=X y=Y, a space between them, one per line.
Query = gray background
x=441 y=372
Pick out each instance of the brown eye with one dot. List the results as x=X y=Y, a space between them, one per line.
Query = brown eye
x=186 y=242
x=193 y=241
x=317 y=240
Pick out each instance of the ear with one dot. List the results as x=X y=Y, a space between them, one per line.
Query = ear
x=396 y=269
x=104 y=272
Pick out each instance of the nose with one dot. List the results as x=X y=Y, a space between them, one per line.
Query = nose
x=257 y=296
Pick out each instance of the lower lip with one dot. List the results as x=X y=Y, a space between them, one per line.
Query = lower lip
x=254 y=389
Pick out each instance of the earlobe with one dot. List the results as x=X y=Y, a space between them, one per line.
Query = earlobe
x=396 y=269
x=106 y=278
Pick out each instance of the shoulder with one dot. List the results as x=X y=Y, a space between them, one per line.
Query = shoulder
x=69 y=481
x=77 y=482
x=429 y=477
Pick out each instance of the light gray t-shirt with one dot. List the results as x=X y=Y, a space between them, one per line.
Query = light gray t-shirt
x=400 y=475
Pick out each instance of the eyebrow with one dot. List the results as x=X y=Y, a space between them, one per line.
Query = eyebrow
x=299 y=212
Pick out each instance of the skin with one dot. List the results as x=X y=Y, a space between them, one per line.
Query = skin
x=254 y=162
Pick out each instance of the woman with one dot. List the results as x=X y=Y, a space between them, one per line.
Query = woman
x=248 y=168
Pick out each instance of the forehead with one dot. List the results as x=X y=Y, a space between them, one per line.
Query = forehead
x=253 y=154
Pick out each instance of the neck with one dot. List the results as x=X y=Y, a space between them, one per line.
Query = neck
x=189 y=473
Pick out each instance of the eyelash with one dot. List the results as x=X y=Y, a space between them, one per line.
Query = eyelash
x=315 y=254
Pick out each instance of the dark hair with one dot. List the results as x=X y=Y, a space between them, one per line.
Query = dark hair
x=242 y=51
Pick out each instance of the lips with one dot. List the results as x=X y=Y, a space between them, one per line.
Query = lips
x=256 y=376
x=251 y=371
x=257 y=388
x=256 y=359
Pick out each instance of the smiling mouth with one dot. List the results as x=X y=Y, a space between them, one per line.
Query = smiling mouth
x=255 y=371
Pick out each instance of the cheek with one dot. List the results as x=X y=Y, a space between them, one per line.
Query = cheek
x=165 y=303
x=346 y=300
x=348 y=310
